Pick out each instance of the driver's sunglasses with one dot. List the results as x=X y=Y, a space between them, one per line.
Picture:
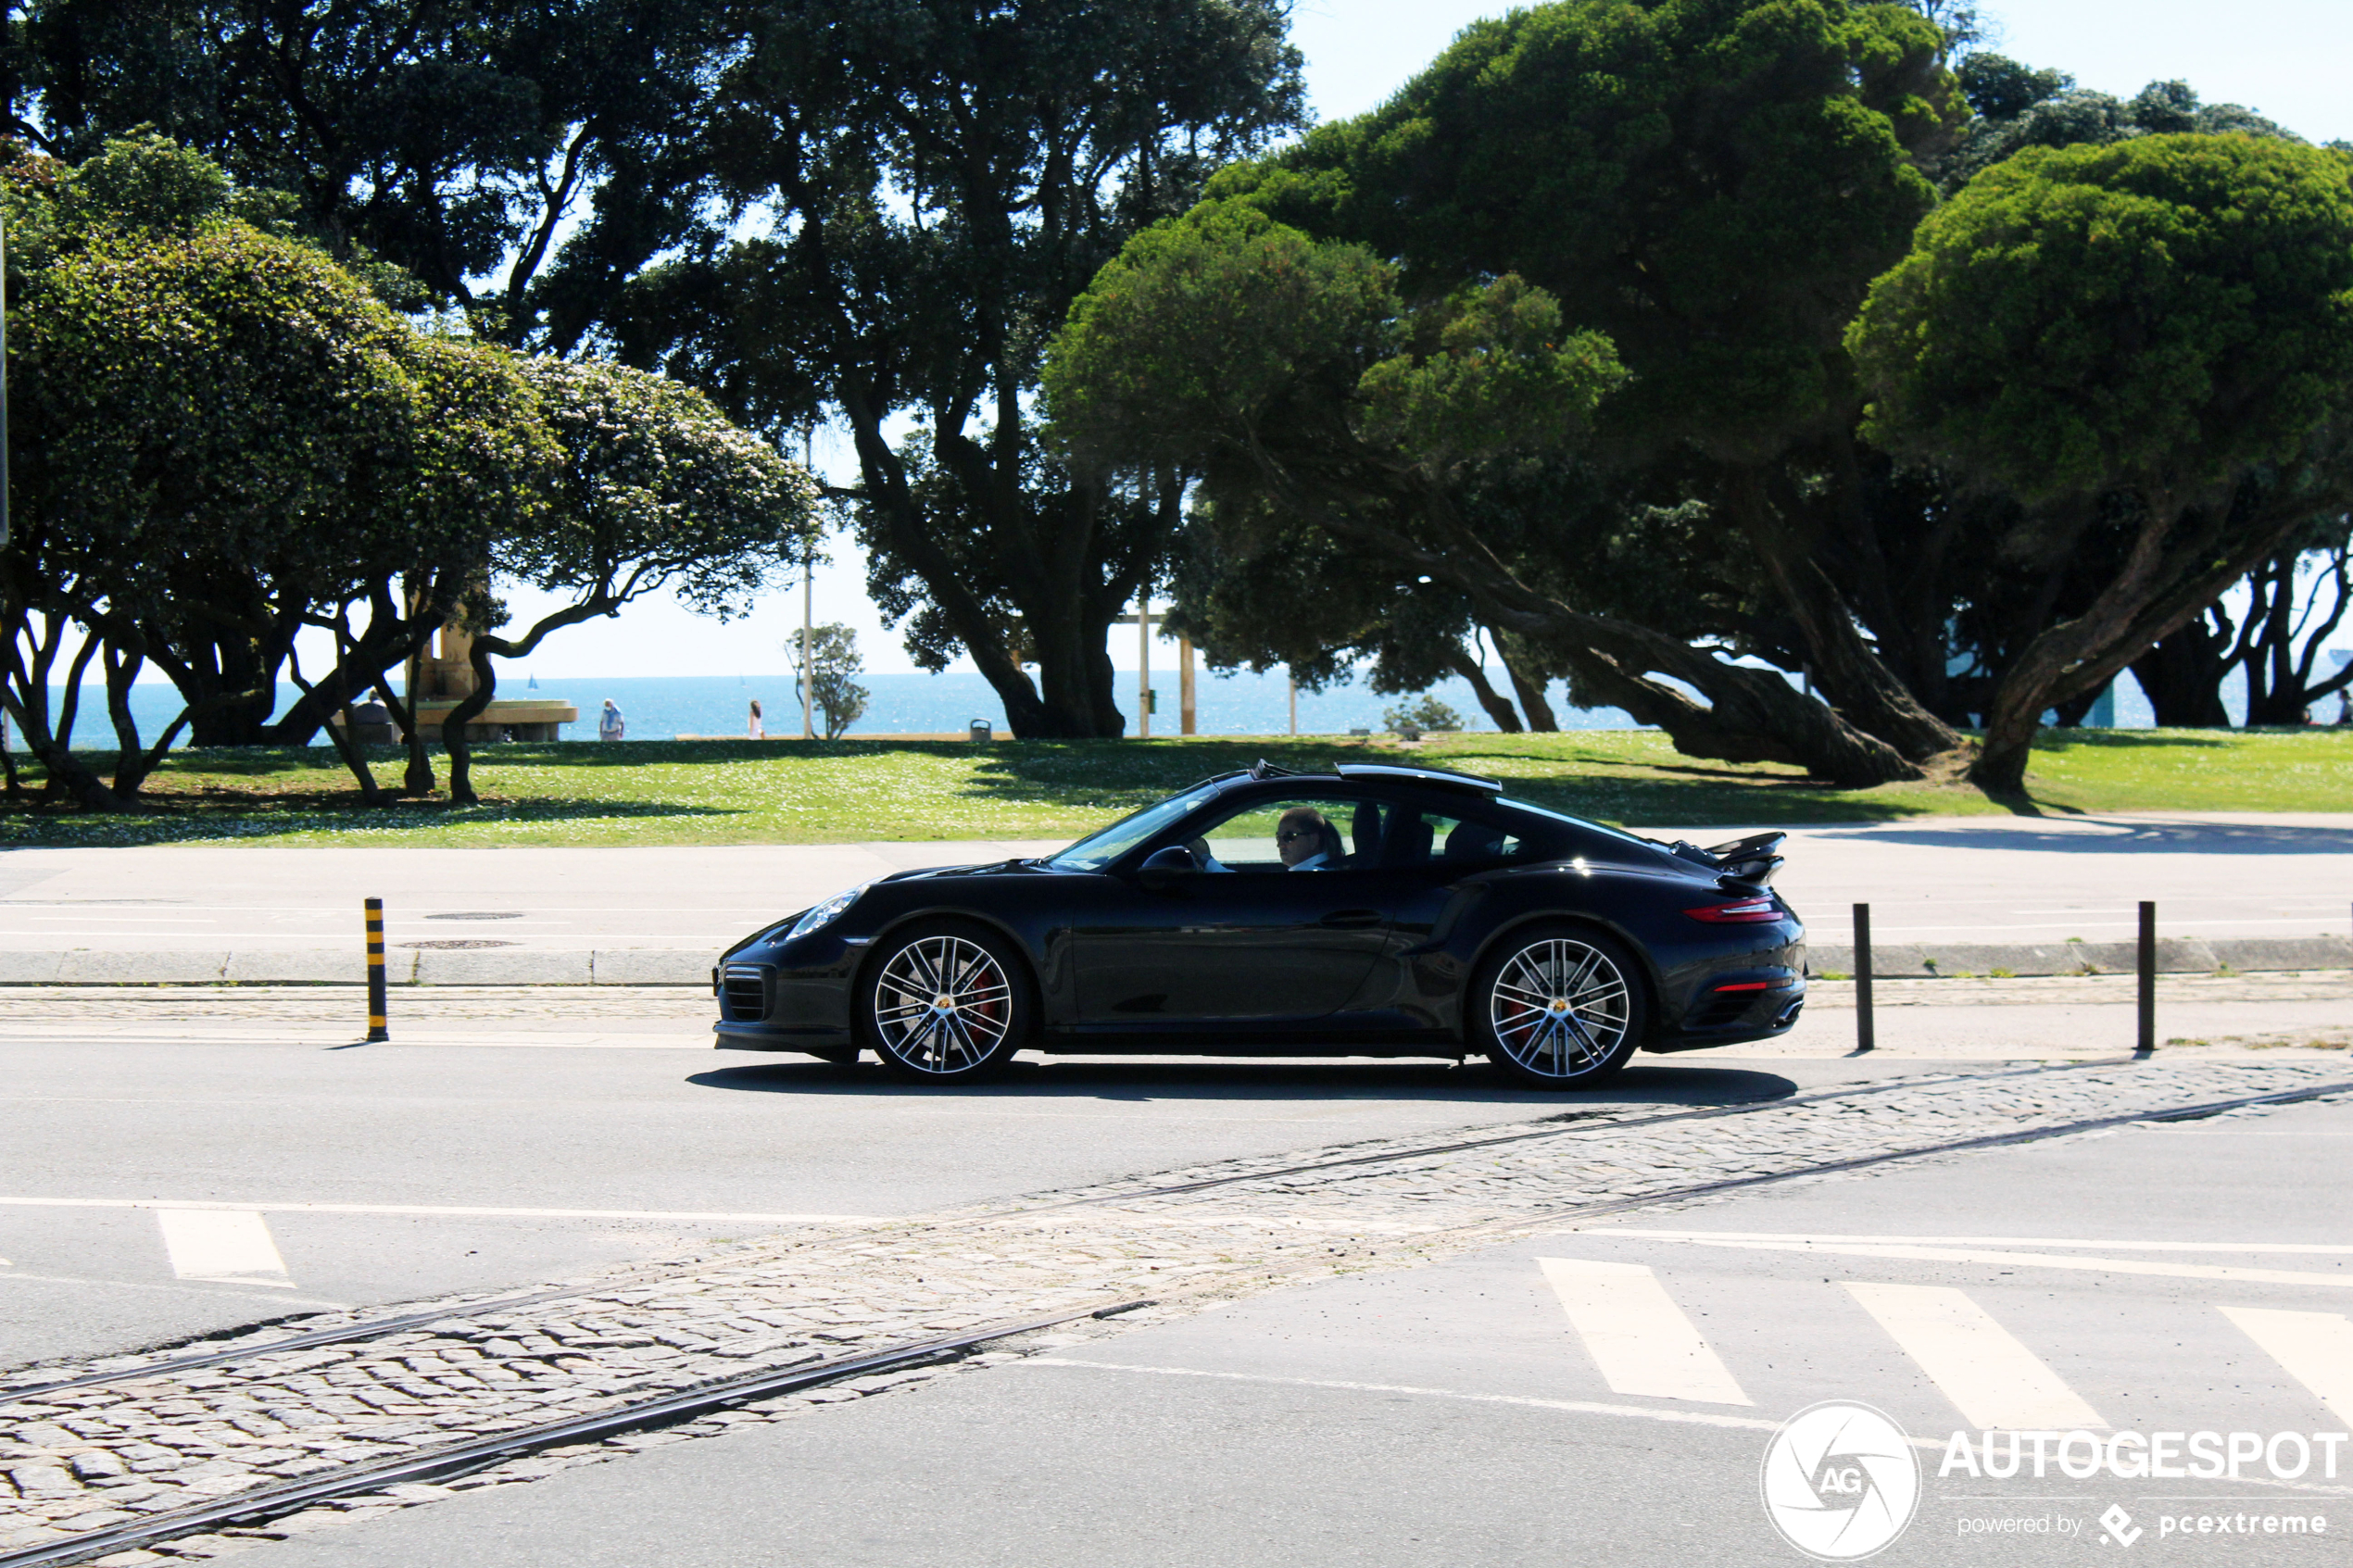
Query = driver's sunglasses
x=1294 y=834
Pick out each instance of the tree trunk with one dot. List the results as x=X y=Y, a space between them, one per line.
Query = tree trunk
x=1855 y=679
x=2178 y=565
x=1531 y=698
x=453 y=727
x=1498 y=709
x=28 y=704
x=2182 y=676
x=1749 y=715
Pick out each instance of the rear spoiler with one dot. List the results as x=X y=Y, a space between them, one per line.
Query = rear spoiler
x=1749 y=859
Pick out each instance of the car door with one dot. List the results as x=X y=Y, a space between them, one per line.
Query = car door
x=1246 y=942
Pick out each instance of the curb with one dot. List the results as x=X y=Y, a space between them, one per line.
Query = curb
x=2175 y=954
x=625 y=966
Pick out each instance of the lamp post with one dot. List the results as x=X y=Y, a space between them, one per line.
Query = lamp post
x=808 y=602
x=4 y=385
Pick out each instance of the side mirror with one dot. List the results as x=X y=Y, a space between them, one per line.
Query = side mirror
x=1164 y=869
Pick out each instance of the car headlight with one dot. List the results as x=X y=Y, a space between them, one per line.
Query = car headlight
x=825 y=913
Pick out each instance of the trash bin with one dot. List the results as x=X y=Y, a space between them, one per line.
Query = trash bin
x=981 y=731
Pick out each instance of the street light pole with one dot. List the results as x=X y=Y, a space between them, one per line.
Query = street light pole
x=3 y=385
x=808 y=602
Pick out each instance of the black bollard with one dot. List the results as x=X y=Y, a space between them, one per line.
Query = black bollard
x=2148 y=976
x=377 y=1032
x=1864 y=1037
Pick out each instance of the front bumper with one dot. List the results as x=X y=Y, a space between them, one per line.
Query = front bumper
x=782 y=999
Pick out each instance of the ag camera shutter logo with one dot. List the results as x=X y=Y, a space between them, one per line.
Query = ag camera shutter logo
x=1840 y=1481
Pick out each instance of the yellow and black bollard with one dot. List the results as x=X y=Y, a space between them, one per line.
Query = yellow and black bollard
x=376 y=1021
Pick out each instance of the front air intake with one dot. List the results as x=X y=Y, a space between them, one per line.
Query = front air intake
x=743 y=991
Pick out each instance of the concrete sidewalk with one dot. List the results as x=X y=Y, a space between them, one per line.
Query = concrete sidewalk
x=1949 y=894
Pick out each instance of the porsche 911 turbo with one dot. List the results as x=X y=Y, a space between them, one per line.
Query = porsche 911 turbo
x=1377 y=910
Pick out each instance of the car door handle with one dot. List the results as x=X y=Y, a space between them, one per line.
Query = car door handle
x=1350 y=919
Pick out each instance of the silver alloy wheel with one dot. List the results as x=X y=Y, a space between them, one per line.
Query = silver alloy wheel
x=1559 y=1008
x=942 y=1004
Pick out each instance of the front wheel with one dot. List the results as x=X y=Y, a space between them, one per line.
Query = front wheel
x=945 y=1003
x=1558 y=1007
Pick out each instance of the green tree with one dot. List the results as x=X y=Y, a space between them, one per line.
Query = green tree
x=829 y=668
x=520 y=158
x=1291 y=372
x=218 y=430
x=2156 y=335
x=654 y=489
x=940 y=181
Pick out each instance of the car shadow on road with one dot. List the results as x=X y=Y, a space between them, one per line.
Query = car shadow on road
x=1474 y=1082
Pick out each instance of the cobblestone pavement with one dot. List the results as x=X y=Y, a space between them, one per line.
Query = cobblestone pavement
x=78 y=1459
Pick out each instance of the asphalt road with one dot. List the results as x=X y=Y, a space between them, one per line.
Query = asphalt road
x=1464 y=1414
x=351 y=1159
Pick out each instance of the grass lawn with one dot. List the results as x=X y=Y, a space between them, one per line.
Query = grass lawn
x=796 y=792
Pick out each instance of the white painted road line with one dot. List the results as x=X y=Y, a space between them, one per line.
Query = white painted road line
x=2315 y=1348
x=1579 y=1407
x=2049 y=1260
x=2308 y=1248
x=434 y=1212
x=1637 y=1334
x=225 y=1246
x=1991 y=1378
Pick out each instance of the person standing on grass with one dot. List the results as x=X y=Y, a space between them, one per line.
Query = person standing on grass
x=757 y=733
x=610 y=725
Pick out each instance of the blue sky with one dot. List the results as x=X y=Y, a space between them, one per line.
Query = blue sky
x=2286 y=58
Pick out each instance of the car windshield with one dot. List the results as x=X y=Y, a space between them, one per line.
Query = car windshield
x=1098 y=850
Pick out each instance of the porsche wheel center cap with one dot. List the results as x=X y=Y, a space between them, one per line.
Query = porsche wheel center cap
x=1558 y=1006
x=945 y=1004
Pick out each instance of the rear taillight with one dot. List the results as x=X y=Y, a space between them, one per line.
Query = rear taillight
x=1748 y=911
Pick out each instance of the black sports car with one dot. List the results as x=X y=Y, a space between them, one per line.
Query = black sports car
x=1374 y=911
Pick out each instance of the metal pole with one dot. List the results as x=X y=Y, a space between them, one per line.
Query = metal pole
x=1144 y=662
x=3 y=386
x=1291 y=681
x=1865 y=1038
x=2148 y=976
x=377 y=1032
x=808 y=595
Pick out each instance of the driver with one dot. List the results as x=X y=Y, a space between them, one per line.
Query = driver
x=1306 y=841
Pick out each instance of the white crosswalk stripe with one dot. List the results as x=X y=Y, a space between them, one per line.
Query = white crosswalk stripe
x=1994 y=1380
x=1637 y=1334
x=226 y=1246
x=2316 y=1349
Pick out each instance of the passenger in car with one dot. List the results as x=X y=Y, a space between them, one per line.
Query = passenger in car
x=1306 y=840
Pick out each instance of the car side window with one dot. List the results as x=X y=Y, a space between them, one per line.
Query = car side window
x=1310 y=833
x=1422 y=837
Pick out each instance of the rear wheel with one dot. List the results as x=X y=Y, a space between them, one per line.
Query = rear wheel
x=1558 y=1006
x=943 y=1003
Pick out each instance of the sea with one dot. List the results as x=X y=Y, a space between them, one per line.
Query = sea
x=660 y=707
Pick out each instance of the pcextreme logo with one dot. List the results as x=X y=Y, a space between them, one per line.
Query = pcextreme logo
x=1840 y=1481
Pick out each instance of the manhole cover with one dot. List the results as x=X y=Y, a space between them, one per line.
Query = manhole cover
x=481 y=914
x=448 y=942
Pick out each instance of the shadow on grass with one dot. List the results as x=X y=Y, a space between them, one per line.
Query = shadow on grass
x=226 y=815
x=2125 y=836
x=1240 y=1078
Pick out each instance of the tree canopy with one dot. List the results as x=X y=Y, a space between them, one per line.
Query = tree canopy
x=2162 y=325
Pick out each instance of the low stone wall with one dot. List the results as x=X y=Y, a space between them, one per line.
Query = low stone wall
x=2175 y=954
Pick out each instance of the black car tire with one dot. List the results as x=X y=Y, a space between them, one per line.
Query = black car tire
x=987 y=1016
x=1557 y=1007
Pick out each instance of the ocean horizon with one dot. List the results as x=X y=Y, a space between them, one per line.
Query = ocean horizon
x=661 y=708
